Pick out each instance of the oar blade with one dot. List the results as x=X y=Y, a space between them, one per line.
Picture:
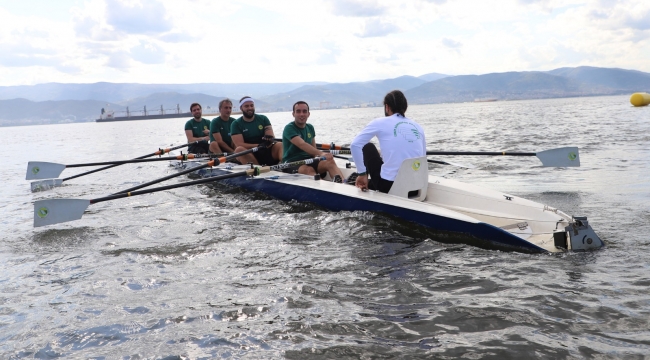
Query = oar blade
x=43 y=170
x=560 y=157
x=54 y=211
x=43 y=185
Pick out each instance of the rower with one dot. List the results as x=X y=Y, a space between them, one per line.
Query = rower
x=299 y=143
x=197 y=129
x=220 y=140
x=252 y=130
x=400 y=138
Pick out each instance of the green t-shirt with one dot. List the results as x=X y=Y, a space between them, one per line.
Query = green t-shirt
x=291 y=151
x=197 y=127
x=222 y=127
x=252 y=131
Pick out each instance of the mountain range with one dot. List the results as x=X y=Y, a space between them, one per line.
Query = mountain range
x=56 y=103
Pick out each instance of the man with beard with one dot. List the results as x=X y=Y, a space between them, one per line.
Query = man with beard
x=220 y=140
x=250 y=131
x=400 y=138
x=299 y=143
x=197 y=129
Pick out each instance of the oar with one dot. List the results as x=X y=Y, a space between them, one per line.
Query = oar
x=48 y=170
x=335 y=153
x=325 y=146
x=466 y=166
x=183 y=157
x=210 y=163
x=54 y=211
x=560 y=157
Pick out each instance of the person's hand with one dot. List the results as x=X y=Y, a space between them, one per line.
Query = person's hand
x=206 y=131
x=362 y=182
x=268 y=138
x=328 y=156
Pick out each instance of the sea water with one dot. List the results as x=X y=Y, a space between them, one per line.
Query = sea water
x=203 y=272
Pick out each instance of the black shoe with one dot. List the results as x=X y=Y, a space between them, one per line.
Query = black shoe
x=337 y=179
x=352 y=179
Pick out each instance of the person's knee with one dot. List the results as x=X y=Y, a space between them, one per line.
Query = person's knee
x=307 y=170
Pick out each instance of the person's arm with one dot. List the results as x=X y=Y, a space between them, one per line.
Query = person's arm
x=238 y=140
x=356 y=147
x=306 y=147
x=222 y=144
x=268 y=131
x=191 y=138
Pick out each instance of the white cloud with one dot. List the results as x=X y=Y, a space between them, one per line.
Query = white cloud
x=358 y=8
x=329 y=40
x=377 y=27
x=142 y=17
x=148 y=53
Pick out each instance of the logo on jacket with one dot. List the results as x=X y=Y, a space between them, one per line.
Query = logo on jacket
x=407 y=130
x=260 y=127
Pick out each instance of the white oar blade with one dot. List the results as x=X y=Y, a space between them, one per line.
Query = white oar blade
x=43 y=170
x=54 y=211
x=43 y=185
x=561 y=157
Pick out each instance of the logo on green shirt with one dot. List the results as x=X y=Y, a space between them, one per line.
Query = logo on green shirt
x=260 y=127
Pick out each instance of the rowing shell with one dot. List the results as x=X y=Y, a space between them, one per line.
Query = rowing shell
x=492 y=219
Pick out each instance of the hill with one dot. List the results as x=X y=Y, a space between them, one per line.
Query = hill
x=530 y=85
x=615 y=79
x=347 y=94
x=117 y=92
x=82 y=102
x=26 y=112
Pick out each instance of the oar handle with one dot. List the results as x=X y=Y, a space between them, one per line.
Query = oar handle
x=250 y=172
x=135 y=161
x=480 y=153
x=325 y=146
x=337 y=152
x=208 y=164
x=159 y=152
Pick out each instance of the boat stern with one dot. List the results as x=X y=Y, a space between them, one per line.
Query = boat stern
x=578 y=236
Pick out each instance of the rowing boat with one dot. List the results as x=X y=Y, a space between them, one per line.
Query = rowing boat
x=491 y=218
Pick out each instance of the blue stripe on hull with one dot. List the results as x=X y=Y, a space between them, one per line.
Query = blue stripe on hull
x=338 y=202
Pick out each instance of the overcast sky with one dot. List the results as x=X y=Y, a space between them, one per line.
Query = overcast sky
x=174 y=41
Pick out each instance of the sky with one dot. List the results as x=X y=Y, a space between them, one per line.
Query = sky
x=224 y=41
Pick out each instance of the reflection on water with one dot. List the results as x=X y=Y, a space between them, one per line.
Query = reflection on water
x=206 y=272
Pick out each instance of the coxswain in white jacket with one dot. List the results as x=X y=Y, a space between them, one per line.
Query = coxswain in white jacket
x=400 y=138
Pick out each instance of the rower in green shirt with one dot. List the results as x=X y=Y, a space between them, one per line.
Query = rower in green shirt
x=299 y=143
x=197 y=129
x=220 y=129
x=249 y=131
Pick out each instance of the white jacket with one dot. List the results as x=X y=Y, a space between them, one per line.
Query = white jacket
x=399 y=138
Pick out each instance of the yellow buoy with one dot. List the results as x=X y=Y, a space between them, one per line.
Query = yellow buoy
x=640 y=99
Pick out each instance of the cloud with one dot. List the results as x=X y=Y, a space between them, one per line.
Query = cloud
x=451 y=43
x=175 y=37
x=119 y=60
x=146 y=17
x=328 y=56
x=639 y=22
x=357 y=8
x=148 y=53
x=377 y=28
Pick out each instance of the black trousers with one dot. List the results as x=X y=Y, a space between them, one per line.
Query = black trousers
x=373 y=162
x=201 y=148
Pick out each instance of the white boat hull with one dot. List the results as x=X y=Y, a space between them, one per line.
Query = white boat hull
x=491 y=219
